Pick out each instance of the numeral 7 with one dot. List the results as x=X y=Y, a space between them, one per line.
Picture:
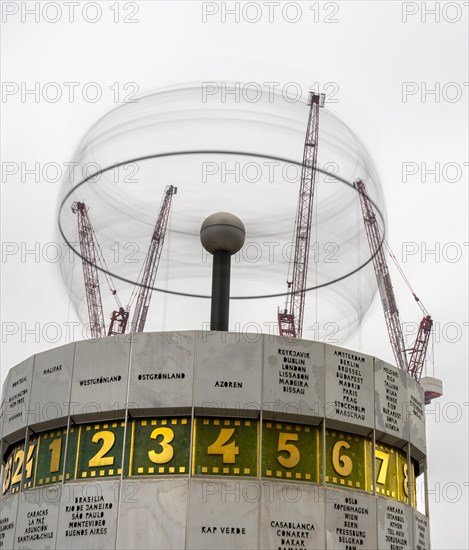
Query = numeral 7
x=383 y=469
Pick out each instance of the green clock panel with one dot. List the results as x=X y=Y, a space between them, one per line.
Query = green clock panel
x=51 y=456
x=406 y=482
x=348 y=460
x=224 y=446
x=220 y=446
x=7 y=469
x=159 y=446
x=99 y=450
x=387 y=470
x=30 y=462
x=17 y=463
x=412 y=482
x=290 y=451
x=19 y=467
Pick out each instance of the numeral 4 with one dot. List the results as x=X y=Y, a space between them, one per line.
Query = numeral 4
x=222 y=447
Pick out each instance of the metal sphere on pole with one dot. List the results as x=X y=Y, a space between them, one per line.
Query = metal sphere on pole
x=222 y=234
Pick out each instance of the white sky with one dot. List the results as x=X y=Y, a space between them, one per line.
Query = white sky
x=368 y=53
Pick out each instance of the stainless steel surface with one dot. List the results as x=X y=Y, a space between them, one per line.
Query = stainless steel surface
x=181 y=512
x=390 y=402
x=223 y=514
x=88 y=516
x=228 y=374
x=421 y=531
x=8 y=513
x=415 y=417
x=17 y=393
x=50 y=392
x=351 y=520
x=152 y=514
x=349 y=389
x=161 y=372
x=395 y=526
x=293 y=379
x=292 y=515
x=36 y=523
x=100 y=378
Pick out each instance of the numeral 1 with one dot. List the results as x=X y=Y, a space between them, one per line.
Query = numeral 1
x=55 y=448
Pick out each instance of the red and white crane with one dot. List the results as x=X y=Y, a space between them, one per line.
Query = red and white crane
x=419 y=351
x=290 y=319
x=92 y=255
x=118 y=324
x=152 y=260
x=414 y=365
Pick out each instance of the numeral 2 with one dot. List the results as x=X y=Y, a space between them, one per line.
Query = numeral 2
x=99 y=459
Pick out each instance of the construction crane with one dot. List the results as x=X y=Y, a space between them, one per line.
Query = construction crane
x=419 y=351
x=92 y=255
x=118 y=324
x=89 y=255
x=152 y=260
x=415 y=364
x=290 y=319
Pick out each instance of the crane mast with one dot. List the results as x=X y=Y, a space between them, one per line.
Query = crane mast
x=290 y=320
x=419 y=351
x=151 y=262
x=415 y=365
x=90 y=271
x=386 y=291
x=118 y=324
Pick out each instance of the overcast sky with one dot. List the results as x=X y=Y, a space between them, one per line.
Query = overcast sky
x=398 y=71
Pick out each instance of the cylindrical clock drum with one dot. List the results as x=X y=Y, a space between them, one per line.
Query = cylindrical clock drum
x=197 y=439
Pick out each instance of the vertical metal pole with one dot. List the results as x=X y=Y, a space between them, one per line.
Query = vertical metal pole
x=425 y=481
x=220 y=307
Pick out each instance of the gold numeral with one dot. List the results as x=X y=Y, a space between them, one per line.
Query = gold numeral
x=7 y=475
x=55 y=448
x=342 y=463
x=292 y=450
x=108 y=439
x=220 y=446
x=383 y=469
x=19 y=457
x=29 y=461
x=167 y=452
x=405 y=482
